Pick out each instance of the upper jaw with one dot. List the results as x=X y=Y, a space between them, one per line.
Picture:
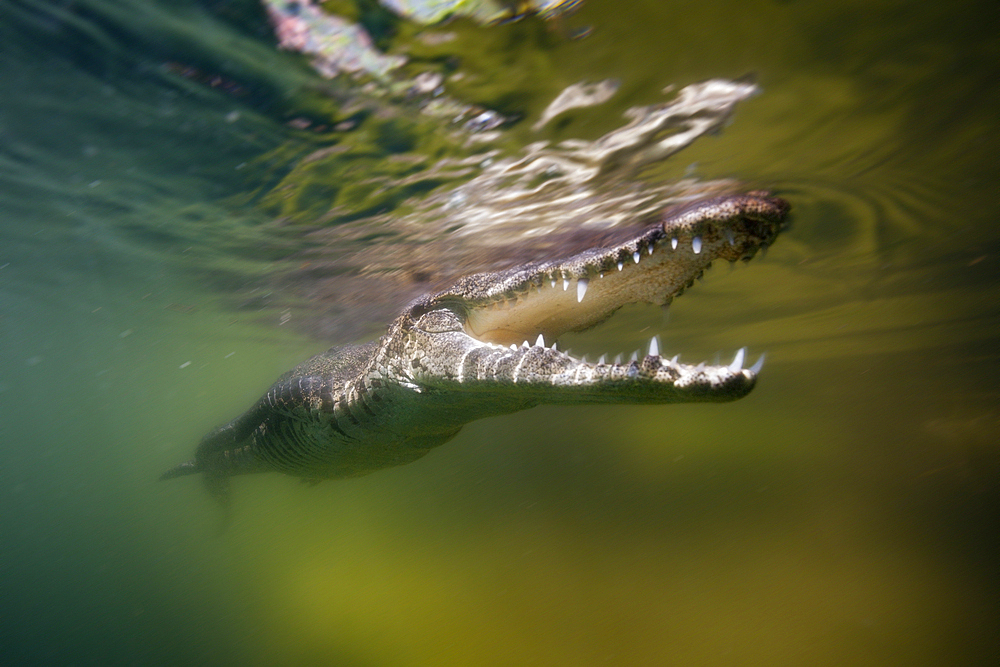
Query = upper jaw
x=653 y=265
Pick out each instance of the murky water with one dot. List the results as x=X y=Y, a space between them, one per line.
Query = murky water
x=843 y=513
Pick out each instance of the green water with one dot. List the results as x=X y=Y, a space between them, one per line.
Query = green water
x=846 y=512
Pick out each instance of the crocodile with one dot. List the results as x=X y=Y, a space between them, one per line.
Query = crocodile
x=486 y=346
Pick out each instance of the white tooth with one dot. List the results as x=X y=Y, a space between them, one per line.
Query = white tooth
x=758 y=365
x=654 y=346
x=737 y=364
x=553 y=345
x=618 y=359
x=584 y=359
x=525 y=344
x=673 y=243
x=635 y=356
x=621 y=266
x=729 y=236
x=540 y=341
x=674 y=359
x=513 y=347
x=581 y=289
x=650 y=249
x=696 y=244
x=565 y=284
x=635 y=256
x=553 y=283
x=602 y=360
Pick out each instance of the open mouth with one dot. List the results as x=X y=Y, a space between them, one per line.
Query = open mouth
x=525 y=309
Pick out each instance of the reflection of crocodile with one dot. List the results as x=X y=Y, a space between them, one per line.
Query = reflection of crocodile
x=478 y=349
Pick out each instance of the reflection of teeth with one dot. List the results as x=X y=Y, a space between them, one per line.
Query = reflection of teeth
x=673 y=243
x=696 y=244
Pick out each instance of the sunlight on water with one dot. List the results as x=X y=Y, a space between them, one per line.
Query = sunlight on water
x=160 y=265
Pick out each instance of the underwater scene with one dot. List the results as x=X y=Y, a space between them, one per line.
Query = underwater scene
x=196 y=196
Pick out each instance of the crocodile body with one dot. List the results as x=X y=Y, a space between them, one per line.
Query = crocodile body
x=484 y=347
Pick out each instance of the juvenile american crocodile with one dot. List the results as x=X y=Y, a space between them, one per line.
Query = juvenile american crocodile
x=478 y=349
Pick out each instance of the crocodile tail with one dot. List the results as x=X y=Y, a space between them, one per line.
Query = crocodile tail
x=186 y=468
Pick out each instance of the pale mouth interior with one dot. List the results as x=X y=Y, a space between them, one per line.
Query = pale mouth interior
x=563 y=304
x=538 y=315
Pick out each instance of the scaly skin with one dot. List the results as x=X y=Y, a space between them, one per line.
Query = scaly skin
x=466 y=353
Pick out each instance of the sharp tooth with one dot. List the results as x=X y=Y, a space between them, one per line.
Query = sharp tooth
x=758 y=365
x=673 y=243
x=584 y=360
x=737 y=364
x=674 y=359
x=635 y=256
x=565 y=284
x=618 y=359
x=696 y=244
x=634 y=357
x=654 y=346
x=602 y=360
x=621 y=266
x=540 y=341
x=650 y=249
x=525 y=344
x=513 y=347
x=700 y=367
x=553 y=345
x=581 y=289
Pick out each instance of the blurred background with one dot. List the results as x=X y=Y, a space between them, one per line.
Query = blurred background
x=178 y=200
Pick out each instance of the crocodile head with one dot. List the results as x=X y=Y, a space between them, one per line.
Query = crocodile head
x=496 y=330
